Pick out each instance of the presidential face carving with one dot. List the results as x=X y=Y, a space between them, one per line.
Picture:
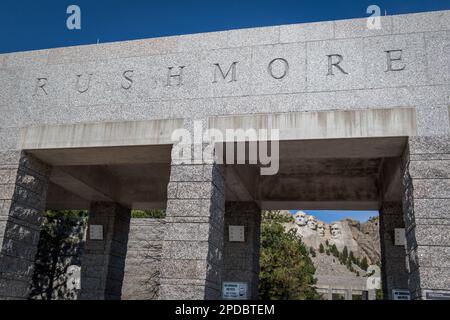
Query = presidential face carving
x=300 y=218
x=312 y=223
x=335 y=230
x=321 y=229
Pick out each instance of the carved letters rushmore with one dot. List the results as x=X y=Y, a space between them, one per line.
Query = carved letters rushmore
x=277 y=69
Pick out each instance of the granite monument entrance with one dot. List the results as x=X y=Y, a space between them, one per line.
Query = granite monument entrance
x=362 y=122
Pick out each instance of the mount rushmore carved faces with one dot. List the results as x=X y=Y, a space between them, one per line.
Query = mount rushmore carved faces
x=335 y=230
x=300 y=218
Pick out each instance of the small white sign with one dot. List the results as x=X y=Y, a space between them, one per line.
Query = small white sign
x=234 y=290
x=399 y=234
x=437 y=295
x=401 y=294
x=236 y=234
x=96 y=232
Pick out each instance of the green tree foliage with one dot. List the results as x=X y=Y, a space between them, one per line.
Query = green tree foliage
x=334 y=251
x=276 y=215
x=321 y=248
x=345 y=254
x=352 y=257
x=349 y=265
x=379 y=294
x=59 y=247
x=364 y=265
x=286 y=270
x=155 y=213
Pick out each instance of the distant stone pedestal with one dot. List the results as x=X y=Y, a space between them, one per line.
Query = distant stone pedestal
x=241 y=258
x=330 y=293
x=371 y=295
x=348 y=294
x=103 y=260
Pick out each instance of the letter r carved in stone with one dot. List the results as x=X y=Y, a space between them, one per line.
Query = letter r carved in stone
x=333 y=61
x=40 y=84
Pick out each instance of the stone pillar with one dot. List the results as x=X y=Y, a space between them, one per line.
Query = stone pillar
x=394 y=271
x=193 y=240
x=348 y=295
x=330 y=293
x=426 y=203
x=371 y=294
x=103 y=261
x=23 y=192
x=241 y=259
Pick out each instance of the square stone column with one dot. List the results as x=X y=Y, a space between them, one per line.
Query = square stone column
x=103 y=260
x=393 y=258
x=193 y=240
x=23 y=192
x=426 y=203
x=241 y=259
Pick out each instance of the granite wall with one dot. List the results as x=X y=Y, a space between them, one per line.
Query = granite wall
x=426 y=181
x=142 y=267
x=23 y=189
x=141 y=278
x=290 y=68
x=88 y=84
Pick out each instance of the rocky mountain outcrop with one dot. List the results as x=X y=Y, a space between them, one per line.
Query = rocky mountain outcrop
x=363 y=239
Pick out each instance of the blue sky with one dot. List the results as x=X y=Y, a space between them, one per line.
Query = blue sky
x=27 y=25
x=329 y=216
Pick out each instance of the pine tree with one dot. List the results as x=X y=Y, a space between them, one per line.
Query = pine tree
x=321 y=248
x=334 y=251
x=364 y=265
x=349 y=265
x=352 y=257
x=286 y=269
x=345 y=254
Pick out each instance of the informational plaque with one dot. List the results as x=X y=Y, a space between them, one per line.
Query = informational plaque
x=399 y=235
x=96 y=232
x=401 y=294
x=433 y=295
x=234 y=290
x=236 y=234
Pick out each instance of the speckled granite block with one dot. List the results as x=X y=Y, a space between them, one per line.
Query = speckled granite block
x=23 y=190
x=103 y=261
x=426 y=197
x=192 y=255
x=241 y=259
